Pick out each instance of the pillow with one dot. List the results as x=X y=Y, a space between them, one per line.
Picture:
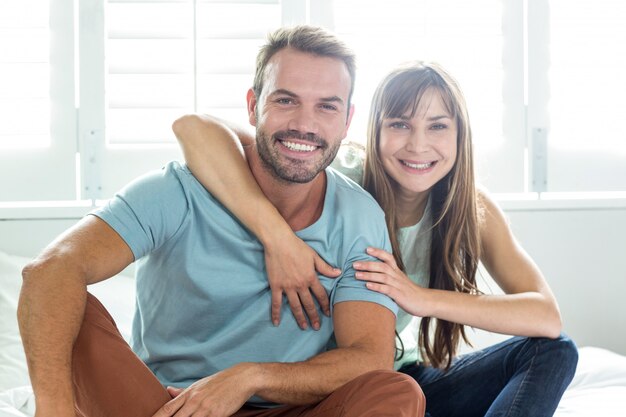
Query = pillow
x=599 y=386
x=13 y=370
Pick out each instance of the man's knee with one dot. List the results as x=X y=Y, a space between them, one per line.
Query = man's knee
x=396 y=393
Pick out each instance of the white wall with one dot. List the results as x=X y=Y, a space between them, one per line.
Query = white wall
x=581 y=251
x=582 y=254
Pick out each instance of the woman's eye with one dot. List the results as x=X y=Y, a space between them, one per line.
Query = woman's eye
x=398 y=125
x=439 y=126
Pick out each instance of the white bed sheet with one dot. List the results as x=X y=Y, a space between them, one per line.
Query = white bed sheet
x=597 y=390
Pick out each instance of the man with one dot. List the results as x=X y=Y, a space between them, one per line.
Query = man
x=201 y=324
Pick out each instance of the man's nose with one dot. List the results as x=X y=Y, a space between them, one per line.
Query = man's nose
x=304 y=120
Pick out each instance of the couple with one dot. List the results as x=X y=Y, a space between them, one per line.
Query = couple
x=203 y=340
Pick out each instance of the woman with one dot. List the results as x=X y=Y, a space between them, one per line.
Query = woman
x=419 y=167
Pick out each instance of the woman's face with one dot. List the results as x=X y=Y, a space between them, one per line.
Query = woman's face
x=419 y=151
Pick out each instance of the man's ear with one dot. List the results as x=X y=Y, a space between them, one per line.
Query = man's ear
x=252 y=107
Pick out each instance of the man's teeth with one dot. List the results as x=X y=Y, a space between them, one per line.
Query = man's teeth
x=418 y=166
x=300 y=147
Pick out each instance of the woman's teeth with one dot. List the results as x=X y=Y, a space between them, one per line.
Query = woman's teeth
x=418 y=166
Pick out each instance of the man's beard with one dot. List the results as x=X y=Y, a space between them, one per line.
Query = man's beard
x=294 y=170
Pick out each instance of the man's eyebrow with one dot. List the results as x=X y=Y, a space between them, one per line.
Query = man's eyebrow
x=332 y=99
x=282 y=91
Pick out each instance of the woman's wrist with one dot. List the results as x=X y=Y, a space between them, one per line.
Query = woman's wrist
x=270 y=228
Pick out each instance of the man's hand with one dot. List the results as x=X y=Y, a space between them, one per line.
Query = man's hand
x=292 y=268
x=219 y=395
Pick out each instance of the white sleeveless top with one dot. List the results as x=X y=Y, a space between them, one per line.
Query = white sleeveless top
x=414 y=244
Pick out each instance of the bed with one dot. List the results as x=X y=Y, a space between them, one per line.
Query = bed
x=598 y=389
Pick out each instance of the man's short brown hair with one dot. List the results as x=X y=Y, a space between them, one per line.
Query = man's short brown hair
x=308 y=39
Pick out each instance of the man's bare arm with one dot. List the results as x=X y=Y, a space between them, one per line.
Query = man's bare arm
x=365 y=342
x=52 y=304
x=365 y=339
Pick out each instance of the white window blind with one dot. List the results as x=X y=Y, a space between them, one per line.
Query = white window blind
x=25 y=80
x=587 y=133
x=37 y=115
x=466 y=38
x=89 y=89
x=166 y=58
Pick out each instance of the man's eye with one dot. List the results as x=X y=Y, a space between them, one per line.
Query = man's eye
x=329 y=107
x=284 y=100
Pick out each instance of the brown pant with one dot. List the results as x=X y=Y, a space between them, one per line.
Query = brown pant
x=111 y=381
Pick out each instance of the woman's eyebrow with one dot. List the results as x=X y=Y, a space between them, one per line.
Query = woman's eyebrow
x=438 y=117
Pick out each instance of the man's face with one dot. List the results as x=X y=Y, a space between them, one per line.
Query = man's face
x=302 y=114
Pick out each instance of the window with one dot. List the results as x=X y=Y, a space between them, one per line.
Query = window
x=25 y=66
x=89 y=89
x=37 y=122
x=586 y=133
x=165 y=59
x=467 y=39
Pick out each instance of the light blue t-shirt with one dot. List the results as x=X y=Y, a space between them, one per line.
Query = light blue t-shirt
x=203 y=299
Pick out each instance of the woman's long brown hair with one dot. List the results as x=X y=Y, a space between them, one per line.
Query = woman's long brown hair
x=455 y=242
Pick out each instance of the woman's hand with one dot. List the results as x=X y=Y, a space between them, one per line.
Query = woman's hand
x=385 y=277
x=292 y=268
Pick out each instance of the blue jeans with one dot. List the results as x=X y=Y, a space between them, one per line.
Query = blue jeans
x=522 y=376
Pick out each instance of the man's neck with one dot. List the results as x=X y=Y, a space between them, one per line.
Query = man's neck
x=300 y=204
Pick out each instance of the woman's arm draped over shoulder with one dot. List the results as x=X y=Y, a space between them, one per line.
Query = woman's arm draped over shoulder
x=528 y=307
x=213 y=151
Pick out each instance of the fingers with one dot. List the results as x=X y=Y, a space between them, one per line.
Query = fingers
x=373 y=277
x=174 y=392
x=296 y=309
x=170 y=407
x=323 y=268
x=277 y=304
x=319 y=292
x=373 y=266
x=309 y=307
x=302 y=306
x=381 y=288
x=383 y=255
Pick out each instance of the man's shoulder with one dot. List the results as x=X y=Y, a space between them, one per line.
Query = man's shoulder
x=348 y=190
x=173 y=177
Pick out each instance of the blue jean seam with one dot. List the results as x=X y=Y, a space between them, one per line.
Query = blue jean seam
x=521 y=385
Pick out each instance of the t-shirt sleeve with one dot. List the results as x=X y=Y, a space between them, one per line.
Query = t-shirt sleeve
x=351 y=289
x=372 y=231
x=148 y=211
